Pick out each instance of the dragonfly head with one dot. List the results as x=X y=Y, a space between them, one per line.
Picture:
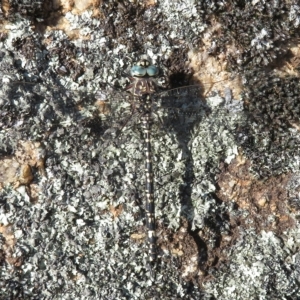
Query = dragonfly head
x=144 y=69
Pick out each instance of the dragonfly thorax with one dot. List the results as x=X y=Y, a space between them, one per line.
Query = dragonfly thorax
x=143 y=104
x=141 y=86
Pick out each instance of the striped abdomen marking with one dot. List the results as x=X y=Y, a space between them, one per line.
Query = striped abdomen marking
x=150 y=213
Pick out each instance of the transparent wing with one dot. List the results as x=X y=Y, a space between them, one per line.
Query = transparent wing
x=36 y=108
x=190 y=104
x=186 y=98
x=48 y=106
x=180 y=108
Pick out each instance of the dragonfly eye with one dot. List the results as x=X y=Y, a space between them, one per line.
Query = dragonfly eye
x=152 y=71
x=138 y=71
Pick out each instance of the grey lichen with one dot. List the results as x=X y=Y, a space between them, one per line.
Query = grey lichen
x=75 y=241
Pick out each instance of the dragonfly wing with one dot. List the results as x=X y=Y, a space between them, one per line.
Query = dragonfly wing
x=181 y=107
x=121 y=115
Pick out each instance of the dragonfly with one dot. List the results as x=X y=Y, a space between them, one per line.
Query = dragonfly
x=174 y=110
x=143 y=88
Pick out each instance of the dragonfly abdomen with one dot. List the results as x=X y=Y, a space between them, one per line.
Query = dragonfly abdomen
x=150 y=211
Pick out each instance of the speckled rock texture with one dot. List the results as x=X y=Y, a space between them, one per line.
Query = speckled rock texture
x=226 y=151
